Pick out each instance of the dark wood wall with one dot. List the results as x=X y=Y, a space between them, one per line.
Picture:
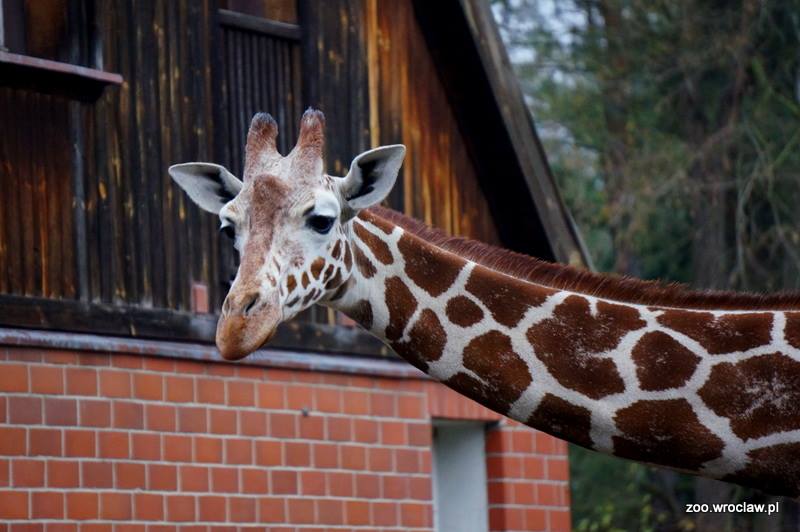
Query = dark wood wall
x=93 y=234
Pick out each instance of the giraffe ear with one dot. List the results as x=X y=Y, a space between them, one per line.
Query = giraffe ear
x=372 y=176
x=209 y=185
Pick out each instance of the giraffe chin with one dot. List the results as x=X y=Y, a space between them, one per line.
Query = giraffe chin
x=239 y=336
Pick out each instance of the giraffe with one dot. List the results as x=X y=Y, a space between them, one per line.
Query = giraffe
x=703 y=382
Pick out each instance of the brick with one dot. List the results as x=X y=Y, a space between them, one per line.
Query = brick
x=268 y=453
x=384 y=514
x=365 y=431
x=60 y=357
x=193 y=478
x=559 y=520
x=419 y=434
x=44 y=442
x=162 y=477
x=46 y=379
x=301 y=511
x=357 y=513
x=144 y=446
x=221 y=369
x=270 y=396
x=522 y=441
x=60 y=411
x=394 y=487
x=282 y=425
x=410 y=407
x=212 y=508
x=148 y=507
x=79 y=443
x=177 y=448
x=382 y=404
x=312 y=483
x=13 y=378
x=148 y=386
x=222 y=421
x=25 y=410
x=208 y=450
x=330 y=512
x=328 y=400
x=14 y=505
x=159 y=364
x=81 y=381
x=299 y=397
x=312 y=427
x=355 y=402
x=548 y=495
x=82 y=505
x=3 y=417
x=340 y=484
x=180 y=508
x=27 y=473
x=192 y=419
x=179 y=389
x=298 y=454
x=420 y=488
x=115 y=384
x=241 y=393
x=283 y=482
x=242 y=509
x=368 y=486
x=47 y=505
x=340 y=428
x=114 y=445
x=12 y=441
x=255 y=481
x=160 y=418
x=253 y=423
x=326 y=455
x=544 y=443
x=63 y=474
x=116 y=506
x=557 y=469
x=224 y=480
x=533 y=467
x=354 y=457
x=97 y=474
x=238 y=451
x=272 y=510
x=393 y=433
x=128 y=415
x=406 y=461
x=5 y=473
x=413 y=515
x=380 y=459
x=129 y=476
x=211 y=391
x=95 y=413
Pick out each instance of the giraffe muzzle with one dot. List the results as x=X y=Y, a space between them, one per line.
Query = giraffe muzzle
x=247 y=322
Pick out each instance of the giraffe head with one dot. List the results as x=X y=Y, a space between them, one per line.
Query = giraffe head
x=290 y=224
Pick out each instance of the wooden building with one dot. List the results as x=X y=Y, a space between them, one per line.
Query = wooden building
x=114 y=406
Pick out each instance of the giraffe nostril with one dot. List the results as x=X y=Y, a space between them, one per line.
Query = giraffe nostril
x=249 y=303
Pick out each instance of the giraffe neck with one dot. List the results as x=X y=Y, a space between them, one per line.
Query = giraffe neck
x=715 y=393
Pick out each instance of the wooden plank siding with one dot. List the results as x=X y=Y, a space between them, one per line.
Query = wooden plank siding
x=95 y=237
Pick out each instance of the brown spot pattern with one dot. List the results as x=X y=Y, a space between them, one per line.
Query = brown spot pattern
x=291 y=283
x=568 y=341
x=348 y=257
x=662 y=362
x=492 y=358
x=461 y=311
x=362 y=313
x=507 y=301
x=665 y=432
x=792 y=331
x=311 y=295
x=379 y=248
x=401 y=303
x=304 y=281
x=292 y=302
x=430 y=268
x=426 y=341
x=335 y=281
x=773 y=469
x=364 y=265
x=725 y=334
x=328 y=273
x=760 y=395
x=336 y=252
x=563 y=420
x=316 y=267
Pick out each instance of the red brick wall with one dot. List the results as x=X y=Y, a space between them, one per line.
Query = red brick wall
x=93 y=441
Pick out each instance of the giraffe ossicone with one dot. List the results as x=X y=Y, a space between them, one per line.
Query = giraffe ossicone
x=707 y=383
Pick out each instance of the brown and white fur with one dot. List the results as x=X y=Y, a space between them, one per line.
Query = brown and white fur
x=702 y=382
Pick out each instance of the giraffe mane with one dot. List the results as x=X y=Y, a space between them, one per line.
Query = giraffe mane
x=608 y=286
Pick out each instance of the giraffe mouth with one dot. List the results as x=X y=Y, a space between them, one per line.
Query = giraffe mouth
x=239 y=335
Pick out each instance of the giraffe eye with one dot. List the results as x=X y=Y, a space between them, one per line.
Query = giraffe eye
x=321 y=224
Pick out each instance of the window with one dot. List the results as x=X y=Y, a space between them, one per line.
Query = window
x=459 y=475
